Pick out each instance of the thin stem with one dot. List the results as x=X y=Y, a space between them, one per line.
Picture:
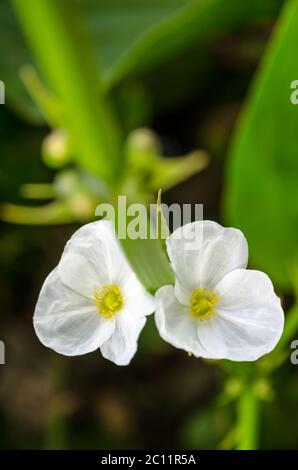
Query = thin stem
x=248 y=421
x=48 y=104
x=37 y=191
x=56 y=212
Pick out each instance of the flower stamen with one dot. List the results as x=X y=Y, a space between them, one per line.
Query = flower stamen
x=108 y=300
x=202 y=302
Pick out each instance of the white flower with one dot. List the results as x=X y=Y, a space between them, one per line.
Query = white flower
x=217 y=309
x=92 y=299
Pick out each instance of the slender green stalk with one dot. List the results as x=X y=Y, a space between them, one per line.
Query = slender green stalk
x=37 y=191
x=248 y=421
x=56 y=212
x=64 y=56
x=48 y=104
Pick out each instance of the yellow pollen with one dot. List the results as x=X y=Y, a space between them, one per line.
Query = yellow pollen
x=108 y=300
x=202 y=302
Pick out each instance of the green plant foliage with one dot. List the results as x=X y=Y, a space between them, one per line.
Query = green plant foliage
x=149 y=262
x=130 y=89
x=129 y=36
x=261 y=184
x=11 y=39
x=86 y=113
x=136 y=35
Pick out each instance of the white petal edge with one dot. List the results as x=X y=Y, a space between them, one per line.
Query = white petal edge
x=123 y=344
x=67 y=322
x=249 y=318
x=175 y=323
x=137 y=301
x=92 y=258
x=203 y=252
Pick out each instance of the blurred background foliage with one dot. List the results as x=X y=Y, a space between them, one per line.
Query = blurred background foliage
x=108 y=97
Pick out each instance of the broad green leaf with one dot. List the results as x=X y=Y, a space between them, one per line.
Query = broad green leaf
x=261 y=184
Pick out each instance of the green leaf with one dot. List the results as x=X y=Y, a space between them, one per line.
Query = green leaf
x=130 y=36
x=149 y=262
x=146 y=254
x=161 y=223
x=261 y=185
x=136 y=35
x=14 y=53
x=121 y=30
x=62 y=51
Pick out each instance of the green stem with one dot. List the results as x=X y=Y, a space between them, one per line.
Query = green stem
x=56 y=212
x=64 y=56
x=37 y=191
x=248 y=421
x=48 y=104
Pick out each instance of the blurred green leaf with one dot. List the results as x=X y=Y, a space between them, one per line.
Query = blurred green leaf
x=130 y=35
x=134 y=35
x=14 y=53
x=149 y=262
x=121 y=30
x=161 y=223
x=261 y=184
x=53 y=30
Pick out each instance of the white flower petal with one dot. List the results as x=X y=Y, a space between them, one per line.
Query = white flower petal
x=123 y=344
x=249 y=319
x=203 y=252
x=79 y=275
x=175 y=323
x=93 y=257
x=183 y=292
x=67 y=322
x=137 y=300
x=138 y=303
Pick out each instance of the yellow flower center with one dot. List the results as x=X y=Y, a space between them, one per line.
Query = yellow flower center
x=202 y=302
x=108 y=300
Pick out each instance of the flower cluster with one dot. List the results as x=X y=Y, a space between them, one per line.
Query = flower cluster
x=216 y=309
